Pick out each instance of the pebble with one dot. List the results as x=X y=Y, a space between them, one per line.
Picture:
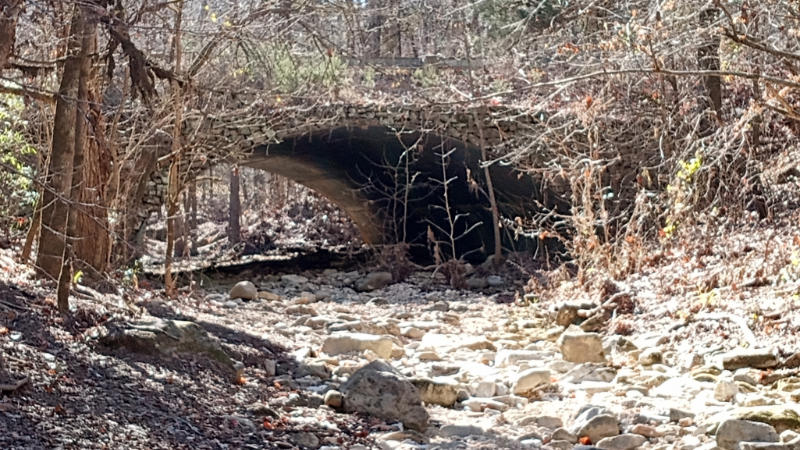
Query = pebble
x=334 y=399
x=245 y=290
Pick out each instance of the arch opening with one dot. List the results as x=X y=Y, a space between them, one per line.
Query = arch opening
x=421 y=189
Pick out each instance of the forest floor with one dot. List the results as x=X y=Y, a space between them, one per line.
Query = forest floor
x=666 y=379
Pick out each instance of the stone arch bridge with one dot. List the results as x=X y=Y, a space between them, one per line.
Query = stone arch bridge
x=383 y=165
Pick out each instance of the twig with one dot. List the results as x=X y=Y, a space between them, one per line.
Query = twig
x=12 y=306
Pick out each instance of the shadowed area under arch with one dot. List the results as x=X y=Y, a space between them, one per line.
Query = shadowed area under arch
x=390 y=184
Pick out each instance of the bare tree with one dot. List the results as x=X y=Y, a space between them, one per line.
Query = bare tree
x=234 y=208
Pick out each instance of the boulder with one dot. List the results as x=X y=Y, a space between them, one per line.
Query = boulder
x=580 y=347
x=379 y=390
x=731 y=432
x=245 y=290
x=154 y=336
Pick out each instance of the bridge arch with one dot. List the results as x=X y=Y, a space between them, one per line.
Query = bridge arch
x=382 y=165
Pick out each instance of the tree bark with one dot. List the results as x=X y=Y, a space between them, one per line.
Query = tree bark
x=375 y=23
x=174 y=187
x=9 y=13
x=235 y=209
x=708 y=58
x=58 y=182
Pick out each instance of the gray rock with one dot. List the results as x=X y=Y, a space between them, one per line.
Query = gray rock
x=651 y=356
x=725 y=391
x=481 y=404
x=378 y=389
x=314 y=368
x=505 y=358
x=245 y=290
x=595 y=423
x=760 y=359
x=477 y=283
x=334 y=399
x=270 y=367
x=676 y=414
x=531 y=379
x=339 y=343
x=460 y=431
x=580 y=347
x=374 y=280
x=294 y=279
x=589 y=372
x=269 y=296
x=304 y=439
x=622 y=442
x=790 y=436
x=494 y=280
x=767 y=446
x=484 y=389
x=731 y=432
x=234 y=421
x=164 y=337
x=561 y=434
x=436 y=392
x=567 y=313
x=549 y=422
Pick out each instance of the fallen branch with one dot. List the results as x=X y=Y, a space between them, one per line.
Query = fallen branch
x=11 y=387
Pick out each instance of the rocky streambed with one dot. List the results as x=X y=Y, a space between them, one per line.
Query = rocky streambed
x=443 y=368
x=349 y=360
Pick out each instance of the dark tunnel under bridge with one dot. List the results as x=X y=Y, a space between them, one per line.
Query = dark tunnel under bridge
x=392 y=186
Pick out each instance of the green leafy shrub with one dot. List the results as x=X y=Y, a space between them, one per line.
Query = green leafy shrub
x=17 y=161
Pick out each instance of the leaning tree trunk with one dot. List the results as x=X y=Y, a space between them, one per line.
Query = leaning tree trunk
x=58 y=182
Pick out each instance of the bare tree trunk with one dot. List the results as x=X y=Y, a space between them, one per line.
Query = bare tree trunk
x=708 y=58
x=498 y=243
x=375 y=24
x=235 y=209
x=9 y=13
x=193 y=216
x=174 y=188
x=58 y=182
